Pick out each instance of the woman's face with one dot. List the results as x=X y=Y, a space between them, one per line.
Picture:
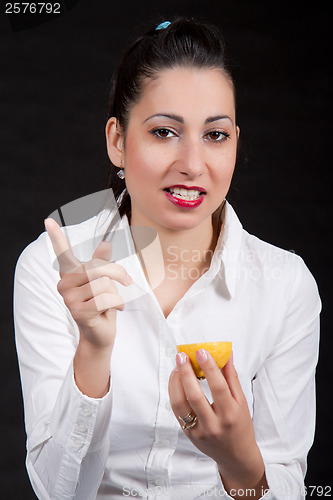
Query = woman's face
x=180 y=148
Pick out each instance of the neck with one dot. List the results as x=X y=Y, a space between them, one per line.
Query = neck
x=189 y=250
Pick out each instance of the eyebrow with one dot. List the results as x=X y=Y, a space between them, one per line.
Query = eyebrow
x=179 y=119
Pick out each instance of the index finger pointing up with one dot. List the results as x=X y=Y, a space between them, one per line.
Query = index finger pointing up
x=66 y=259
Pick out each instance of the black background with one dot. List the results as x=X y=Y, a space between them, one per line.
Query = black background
x=54 y=89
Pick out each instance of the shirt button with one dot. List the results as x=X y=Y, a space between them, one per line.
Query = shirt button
x=168 y=405
x=77 y=443
x=165 y=442
x=81 y=427
x=85 y=411
x=171 y=351
x=159 y=481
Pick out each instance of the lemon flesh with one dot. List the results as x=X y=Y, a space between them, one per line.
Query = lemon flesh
x=219 y=350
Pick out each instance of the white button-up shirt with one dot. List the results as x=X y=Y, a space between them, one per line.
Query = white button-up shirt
x=129 y=443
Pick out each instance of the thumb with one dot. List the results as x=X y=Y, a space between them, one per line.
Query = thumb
x=103 y=251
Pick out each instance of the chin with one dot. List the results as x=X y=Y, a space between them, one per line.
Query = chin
x=181 y=222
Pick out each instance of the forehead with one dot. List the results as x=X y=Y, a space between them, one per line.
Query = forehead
x=189 y=91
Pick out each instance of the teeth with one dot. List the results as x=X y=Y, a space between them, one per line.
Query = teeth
x=185 y=194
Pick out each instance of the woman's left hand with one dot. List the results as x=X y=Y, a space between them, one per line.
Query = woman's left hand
x=224 y=429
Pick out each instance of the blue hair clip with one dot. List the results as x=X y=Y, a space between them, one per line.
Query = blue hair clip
x=162 y=26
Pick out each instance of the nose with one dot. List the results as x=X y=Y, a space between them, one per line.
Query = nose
x=191 y=162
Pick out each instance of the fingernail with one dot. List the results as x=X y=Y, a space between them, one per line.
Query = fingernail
x=201 y=355
x=129 y=279
x=181 y=358
x=48 y=223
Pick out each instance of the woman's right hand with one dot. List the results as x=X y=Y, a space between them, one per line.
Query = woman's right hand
x=88 y=289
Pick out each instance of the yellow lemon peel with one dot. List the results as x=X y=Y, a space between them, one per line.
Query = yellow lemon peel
x=219 y=350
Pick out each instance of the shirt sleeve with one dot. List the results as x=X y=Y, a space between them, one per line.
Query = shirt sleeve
x=66 y=444
x=284 y=389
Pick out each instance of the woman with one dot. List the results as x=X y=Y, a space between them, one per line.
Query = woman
x=147 y=427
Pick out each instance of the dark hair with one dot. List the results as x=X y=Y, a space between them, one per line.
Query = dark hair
x=185 y=42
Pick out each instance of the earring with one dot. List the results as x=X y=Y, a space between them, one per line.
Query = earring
x=121 y=173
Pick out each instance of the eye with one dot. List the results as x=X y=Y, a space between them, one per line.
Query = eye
x=217 y=135
x=162 y=133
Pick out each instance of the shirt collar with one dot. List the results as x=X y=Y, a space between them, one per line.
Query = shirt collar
x=227 y=252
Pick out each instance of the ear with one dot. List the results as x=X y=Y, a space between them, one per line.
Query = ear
x=237 y=131
x=114 y=141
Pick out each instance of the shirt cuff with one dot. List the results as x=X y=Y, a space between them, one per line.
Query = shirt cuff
x=266 y=494
x=80 y=423
x=282 y=484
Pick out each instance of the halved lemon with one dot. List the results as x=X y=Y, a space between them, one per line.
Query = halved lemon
x=219 y=350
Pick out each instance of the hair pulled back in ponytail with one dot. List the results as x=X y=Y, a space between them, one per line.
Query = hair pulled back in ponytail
x=185 y=42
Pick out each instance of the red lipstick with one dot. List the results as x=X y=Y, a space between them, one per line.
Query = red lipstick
x=181 y=202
